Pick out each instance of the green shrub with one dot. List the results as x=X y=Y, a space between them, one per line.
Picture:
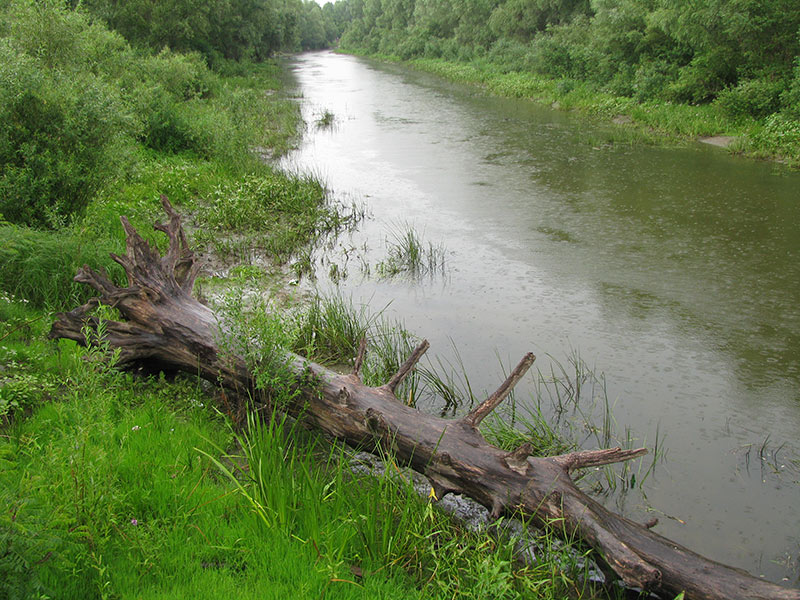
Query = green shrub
x=652 y=78
x=704 y=77
x=623 y=81
x=510 y=55
x=164 y=126
x=755 y=98
x=552 y=57
x=75 y=97
x=790 y=98
x=59 y=140
x=62 y=39
x=183 y=76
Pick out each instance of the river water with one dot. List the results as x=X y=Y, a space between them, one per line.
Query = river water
x=675 y=272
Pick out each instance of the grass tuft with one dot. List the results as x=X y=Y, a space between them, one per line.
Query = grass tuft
x=408 y=254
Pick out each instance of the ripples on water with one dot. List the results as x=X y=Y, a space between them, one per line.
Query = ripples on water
x=674 y=271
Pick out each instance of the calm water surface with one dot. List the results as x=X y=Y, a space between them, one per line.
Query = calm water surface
x=674 y=271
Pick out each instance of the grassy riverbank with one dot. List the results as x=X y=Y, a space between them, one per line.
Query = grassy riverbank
x=123 y=486
x=117 y=486
x=776 y=137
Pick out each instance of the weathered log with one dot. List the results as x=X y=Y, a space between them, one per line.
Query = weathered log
x=165 y=327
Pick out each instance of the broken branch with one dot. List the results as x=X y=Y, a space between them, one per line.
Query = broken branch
x=480 y=412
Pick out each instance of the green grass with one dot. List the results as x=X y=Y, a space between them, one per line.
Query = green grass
x=39 y=266
x=117 y=486
x=407 y=254
x=111 y=493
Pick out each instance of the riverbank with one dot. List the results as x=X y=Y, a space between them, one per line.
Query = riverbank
x=120 y=485
x=653 y=122
x=631 y=255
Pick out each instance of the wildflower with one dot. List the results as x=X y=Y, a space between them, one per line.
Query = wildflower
x=134 y=522
x=135 y=428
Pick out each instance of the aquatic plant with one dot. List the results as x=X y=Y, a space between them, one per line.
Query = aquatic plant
x=408 y=254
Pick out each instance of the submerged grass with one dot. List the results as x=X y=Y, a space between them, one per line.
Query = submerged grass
x=569 y=407
x=330 y=329
x=269 y=215
x=325 y=119
x=408 y=254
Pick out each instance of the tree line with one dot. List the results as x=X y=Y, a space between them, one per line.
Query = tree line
x=228 y=29
x=741 y=54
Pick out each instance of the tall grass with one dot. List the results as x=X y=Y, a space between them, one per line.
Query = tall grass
x=569 y=407
x=382 y=520
x=39 y=266
x=330 y=330
x=110 y=490
x=118 y=485
x=362 y=526
x=408 y=254
x=449 y=382
x=575 y=396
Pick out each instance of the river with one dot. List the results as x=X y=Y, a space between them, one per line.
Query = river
x=673 y=271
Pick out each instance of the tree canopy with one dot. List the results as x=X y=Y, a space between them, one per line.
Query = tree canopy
x=743 y=54
x=230 y=29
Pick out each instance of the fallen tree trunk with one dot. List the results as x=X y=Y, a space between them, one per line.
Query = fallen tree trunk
x=166 y=328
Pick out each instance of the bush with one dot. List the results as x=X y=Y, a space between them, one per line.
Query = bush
x=755 y=98
x=74 y=99
x=182 y=76
x=57 y=138
x=552 y=57
x=790 y=98
x=652 y=78
x=622 y=83
x=510 y=55
x=412 y=46
x=704 y=77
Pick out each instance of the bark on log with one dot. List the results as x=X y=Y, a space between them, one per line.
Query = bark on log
x=164 y=327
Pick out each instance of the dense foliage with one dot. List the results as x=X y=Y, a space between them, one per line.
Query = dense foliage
x=743 y=55
x=79 y=101
x=227 y=29
x=61 y=119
